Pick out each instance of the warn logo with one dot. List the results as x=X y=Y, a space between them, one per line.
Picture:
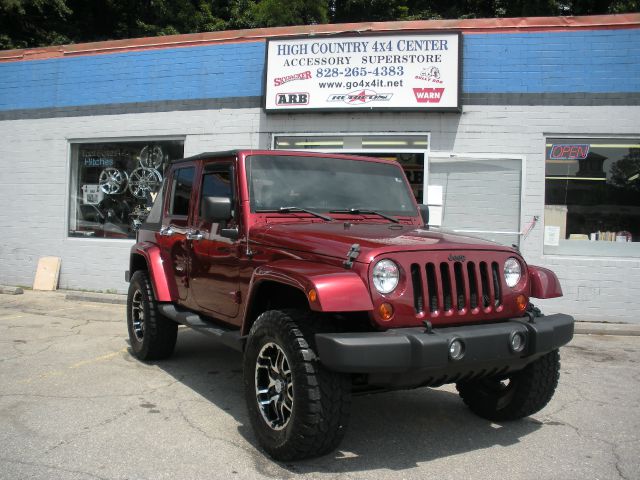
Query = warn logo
x=298 y=98
x=428 y=95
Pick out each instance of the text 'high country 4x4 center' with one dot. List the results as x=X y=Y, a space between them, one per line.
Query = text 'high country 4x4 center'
x=323 y=271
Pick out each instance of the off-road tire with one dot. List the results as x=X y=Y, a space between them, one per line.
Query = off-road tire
x=158 y=336
x=527 y=392
x=321 y=398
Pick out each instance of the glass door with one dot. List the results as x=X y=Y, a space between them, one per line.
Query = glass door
x=478 y=195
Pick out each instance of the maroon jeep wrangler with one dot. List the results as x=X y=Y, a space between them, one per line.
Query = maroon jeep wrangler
x=322 y=270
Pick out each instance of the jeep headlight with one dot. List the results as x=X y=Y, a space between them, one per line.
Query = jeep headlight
x=512 y=272
x=386 y=275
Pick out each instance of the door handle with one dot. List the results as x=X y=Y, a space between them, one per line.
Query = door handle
x=166 y=231
x=194 y=235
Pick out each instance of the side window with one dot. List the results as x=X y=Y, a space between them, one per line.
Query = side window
x=216 y=182
x=181 y=191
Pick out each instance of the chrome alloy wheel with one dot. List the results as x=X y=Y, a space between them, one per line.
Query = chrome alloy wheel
x=274 y=386
x=137 y=315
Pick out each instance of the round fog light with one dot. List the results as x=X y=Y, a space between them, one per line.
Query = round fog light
x=456 y=349
x=516 y=342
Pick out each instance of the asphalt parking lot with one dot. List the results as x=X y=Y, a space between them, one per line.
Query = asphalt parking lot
x=74 y=404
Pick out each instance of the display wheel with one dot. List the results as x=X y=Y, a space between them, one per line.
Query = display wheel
x=113 y=180
x=144 y=181
x=151 y=156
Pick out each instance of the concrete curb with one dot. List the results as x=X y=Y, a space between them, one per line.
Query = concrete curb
x=620 y=329
x=11 y=290
x=112 y=298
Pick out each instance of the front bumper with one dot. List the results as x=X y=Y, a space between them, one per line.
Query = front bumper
x=413 y=350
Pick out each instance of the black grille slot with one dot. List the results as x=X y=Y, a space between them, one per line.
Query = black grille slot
x=496 y=283
x=418 y=296
x=457 y=271
x=446 y=287
x=473 y=285
x=484 y=277
x=432 y=284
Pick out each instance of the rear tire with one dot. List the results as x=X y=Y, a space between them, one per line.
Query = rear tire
x=152 y=336
x=305 y=408
x=519 y=395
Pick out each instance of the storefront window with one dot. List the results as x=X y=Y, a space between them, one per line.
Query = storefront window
x=408 y=150
x=114 y=184
x=592 y=197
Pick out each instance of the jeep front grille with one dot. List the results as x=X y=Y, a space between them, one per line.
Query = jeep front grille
x=456 y=288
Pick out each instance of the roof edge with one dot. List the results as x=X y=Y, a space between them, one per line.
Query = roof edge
x=467 y=26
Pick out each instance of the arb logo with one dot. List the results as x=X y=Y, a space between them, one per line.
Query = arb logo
x=297 y=98
x=428 y=95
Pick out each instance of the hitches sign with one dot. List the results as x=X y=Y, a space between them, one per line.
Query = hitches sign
x=390 y=72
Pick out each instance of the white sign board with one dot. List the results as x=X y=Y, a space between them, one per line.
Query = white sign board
x=385 y=72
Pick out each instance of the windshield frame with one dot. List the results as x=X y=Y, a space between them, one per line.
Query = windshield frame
x=407 y=205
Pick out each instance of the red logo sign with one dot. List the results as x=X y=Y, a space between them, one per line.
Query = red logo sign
x=359 y=97
x=290 y=78
x=428 y=95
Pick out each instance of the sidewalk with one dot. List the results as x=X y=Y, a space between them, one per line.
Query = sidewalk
x=581 y=327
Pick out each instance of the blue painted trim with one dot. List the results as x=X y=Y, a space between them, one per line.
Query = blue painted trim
x=586 y=61
x=592 y=61
x=218 y=71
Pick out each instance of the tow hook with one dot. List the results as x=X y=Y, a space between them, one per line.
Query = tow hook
x=428 y=327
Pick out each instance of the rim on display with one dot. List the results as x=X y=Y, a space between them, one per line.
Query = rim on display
x=151 y=156
x=112 y=180
x=143 y=181
x=274 y=386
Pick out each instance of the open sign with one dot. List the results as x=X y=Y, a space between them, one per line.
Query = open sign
x=569 y=151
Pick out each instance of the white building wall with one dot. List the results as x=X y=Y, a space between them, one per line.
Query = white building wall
x=35 y=172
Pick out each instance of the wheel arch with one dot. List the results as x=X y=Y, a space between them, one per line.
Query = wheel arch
x=147 y=256
x=288 y=283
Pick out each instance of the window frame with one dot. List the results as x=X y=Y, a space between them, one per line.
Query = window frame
x=586 y=138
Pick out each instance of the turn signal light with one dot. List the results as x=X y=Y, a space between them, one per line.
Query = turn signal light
x=386 y=311
x=521 y=302
x=313 y=295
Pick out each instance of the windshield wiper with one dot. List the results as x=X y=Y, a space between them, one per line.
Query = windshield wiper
x=360 y=211
x=295 y=209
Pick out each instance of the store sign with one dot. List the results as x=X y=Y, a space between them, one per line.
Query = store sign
x=390 y=72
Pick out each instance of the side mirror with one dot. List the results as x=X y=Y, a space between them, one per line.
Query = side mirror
x=216 y=209
x=424 y=213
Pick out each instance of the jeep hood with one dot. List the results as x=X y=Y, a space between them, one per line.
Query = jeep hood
x=334 y=239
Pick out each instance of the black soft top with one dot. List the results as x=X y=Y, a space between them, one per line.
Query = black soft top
x=200 y=156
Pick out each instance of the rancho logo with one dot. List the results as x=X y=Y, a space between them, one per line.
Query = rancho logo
x=291 y=78
x=297 y=98
x=358 y=97
x=428 y=95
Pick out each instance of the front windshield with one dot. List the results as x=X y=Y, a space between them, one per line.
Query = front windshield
x=325 y=184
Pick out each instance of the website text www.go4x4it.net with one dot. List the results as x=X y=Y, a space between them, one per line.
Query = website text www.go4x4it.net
x=349 y=84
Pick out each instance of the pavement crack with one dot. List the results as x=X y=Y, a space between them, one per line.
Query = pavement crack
x=193 y=425
x=54 y=467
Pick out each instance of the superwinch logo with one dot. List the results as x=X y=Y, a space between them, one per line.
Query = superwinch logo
x=428 y=95
x=296 y=98
x=291 y=78
x=358 y=97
